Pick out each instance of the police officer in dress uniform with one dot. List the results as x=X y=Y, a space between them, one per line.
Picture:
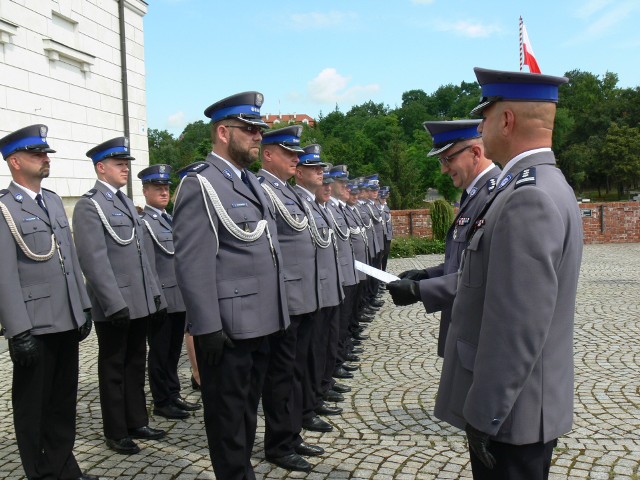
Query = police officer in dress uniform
x=507 y=376
x=309 y=176
x=124 y=293
x=229 y=268
x=461 y=154
x=383 y=195
x=164 y=332
x=44 y=309
x=344 y=228
x=360 y=249
x=282 y=391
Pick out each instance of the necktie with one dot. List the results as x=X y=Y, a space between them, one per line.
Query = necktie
x=245 y=178
x=166 y=216
x=463 y=197
x=121 y=196
x=40 y=203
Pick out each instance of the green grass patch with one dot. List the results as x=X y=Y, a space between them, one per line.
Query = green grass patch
x=403 y=247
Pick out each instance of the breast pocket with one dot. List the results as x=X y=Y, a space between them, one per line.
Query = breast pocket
x=471 y=268
x=63 y=234
x=122 y=225
x=37 y=236
x=37 y=300
x=246 y=218
x=166 y=240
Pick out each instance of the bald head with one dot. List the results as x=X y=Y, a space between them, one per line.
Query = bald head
x=510 y=128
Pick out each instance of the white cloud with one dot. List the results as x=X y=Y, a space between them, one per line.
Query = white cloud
x=591 y=7
x=321 y=20
x=607 y=20
x=176 y=120
x=331 y=87
x=467 y=28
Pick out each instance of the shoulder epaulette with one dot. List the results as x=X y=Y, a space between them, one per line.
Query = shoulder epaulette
x=3 y=192
x=196 y=167
x=261 y=179
x=50 y=191
x=90 y=193
x=492 y=183
x=526 y=177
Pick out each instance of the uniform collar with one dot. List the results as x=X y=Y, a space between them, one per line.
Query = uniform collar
x=313 y=197
x=111 y=188
x=517 y=158
x=235 y=169
x=475 y=180
x=31 y=193
x=160 y=212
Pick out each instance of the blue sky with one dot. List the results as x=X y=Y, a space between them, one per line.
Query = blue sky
x=308 y=57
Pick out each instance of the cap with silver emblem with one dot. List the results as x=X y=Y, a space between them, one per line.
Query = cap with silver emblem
x=244 y=107
x=287 y=137
x=159 y=173
x=447 y=133
x=115 y=148
x=29 y=139
x=311 y=156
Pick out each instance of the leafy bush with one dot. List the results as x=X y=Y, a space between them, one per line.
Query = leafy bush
x=403 y=247
x=441 y=217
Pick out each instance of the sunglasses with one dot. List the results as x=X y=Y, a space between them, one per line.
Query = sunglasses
x=250 y=129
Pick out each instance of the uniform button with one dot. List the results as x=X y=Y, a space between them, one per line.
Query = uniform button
x=245 y=217
x=30 y=295
x=235 y=291
x=495 y=421
x=163 y=285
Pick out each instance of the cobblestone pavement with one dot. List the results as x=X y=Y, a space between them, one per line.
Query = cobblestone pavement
x=387 y=430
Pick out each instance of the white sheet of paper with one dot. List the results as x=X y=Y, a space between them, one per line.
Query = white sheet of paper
x=376 y=273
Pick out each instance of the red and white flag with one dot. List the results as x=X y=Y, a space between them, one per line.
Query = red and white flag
x=527 y=57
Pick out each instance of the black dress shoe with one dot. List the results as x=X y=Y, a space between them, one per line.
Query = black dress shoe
x=125 y=445
x=364 y=319
x=170 y=411
x=350 y=357
x=88 y=477
x=293 y=461
x=350 y=368
x=326 y=410
x=341 y=373
x=182 y=404
x=309 y=450
x=359 y=336
x=357 y=351
x=147 y=433
x=316 y=424
x=340 y=388
x=370 y=311
x=377 y=303
x=355 y=342
x=195 y=385
x=333 y=396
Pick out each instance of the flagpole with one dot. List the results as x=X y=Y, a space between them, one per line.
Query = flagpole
x=520 y=28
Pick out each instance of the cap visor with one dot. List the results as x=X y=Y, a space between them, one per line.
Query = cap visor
x=435 y=151
x=292 y=148
x=478 y=110
x=252 y=121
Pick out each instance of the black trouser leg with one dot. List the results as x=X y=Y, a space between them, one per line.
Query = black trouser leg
x=521 y=462
x=165 y=345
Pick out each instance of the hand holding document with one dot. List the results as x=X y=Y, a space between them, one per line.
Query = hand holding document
x=376 y=273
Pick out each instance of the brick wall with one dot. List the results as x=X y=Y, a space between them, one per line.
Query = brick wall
x=614 y=222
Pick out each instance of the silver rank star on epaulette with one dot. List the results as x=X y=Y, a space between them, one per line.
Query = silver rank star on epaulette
x=491 y=184
x=526 y=177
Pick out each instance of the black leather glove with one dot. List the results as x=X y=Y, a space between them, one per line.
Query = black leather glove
x=414 y=275
x=212 y=345
x=479 y=444
x=23 y=349
x=404 y=292
x=158 y=301
x=120 y=319
x=85 y=329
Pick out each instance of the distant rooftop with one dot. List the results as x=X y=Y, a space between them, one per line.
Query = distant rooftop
x=286 y=119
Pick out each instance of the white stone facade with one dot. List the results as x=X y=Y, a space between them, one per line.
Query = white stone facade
x=60 y=66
